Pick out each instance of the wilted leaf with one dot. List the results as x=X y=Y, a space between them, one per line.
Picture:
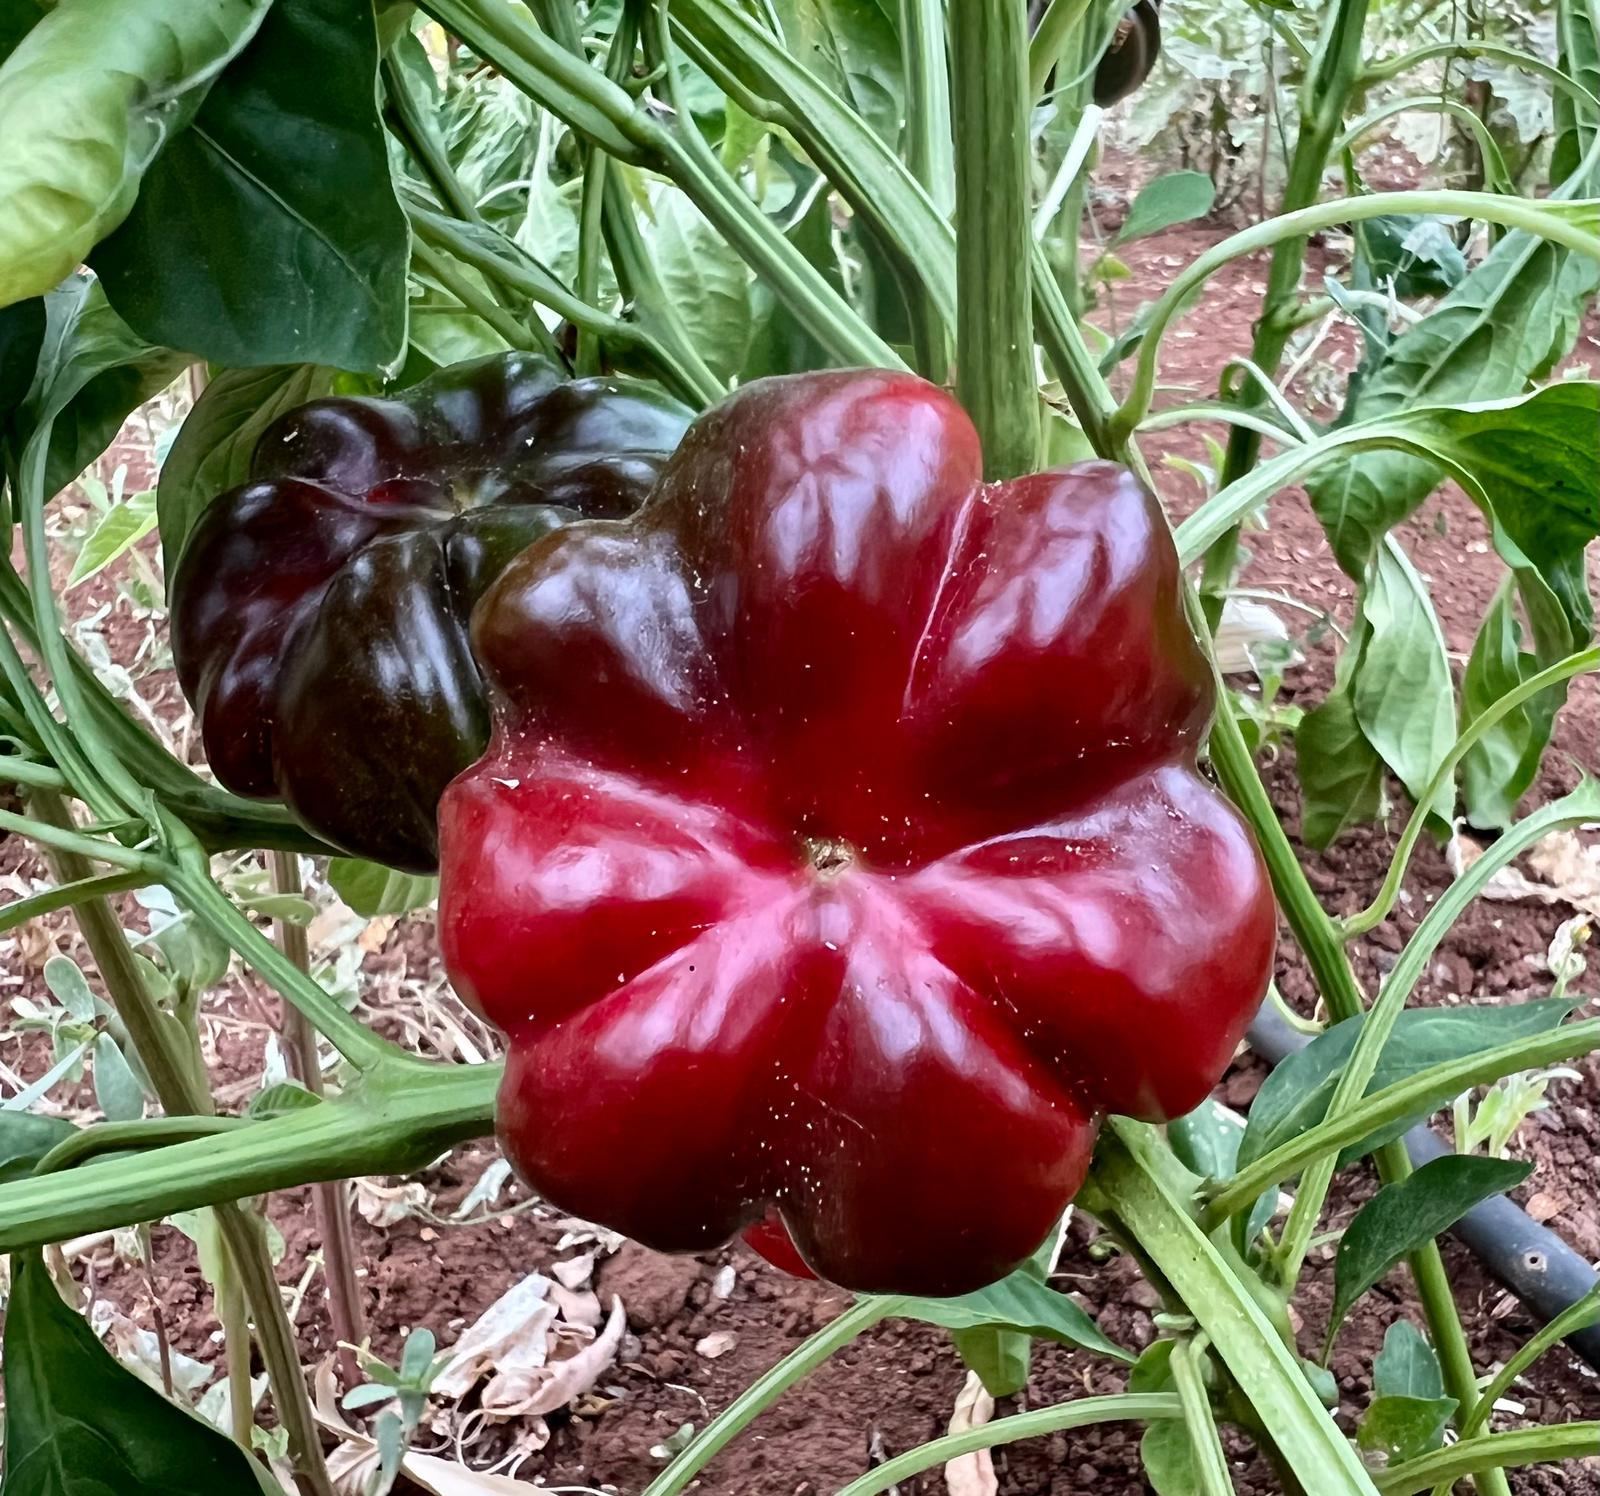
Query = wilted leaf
x=971 y=1474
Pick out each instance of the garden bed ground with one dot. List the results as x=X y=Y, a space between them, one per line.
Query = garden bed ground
x=896 y=1387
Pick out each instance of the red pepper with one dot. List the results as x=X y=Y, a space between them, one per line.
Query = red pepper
x=841 y=847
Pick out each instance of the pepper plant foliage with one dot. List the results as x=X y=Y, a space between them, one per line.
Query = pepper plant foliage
x=301 y=198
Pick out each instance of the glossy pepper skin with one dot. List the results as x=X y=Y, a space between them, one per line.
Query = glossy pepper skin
x=840 y=847
x=1135 y=45
x=319 y=612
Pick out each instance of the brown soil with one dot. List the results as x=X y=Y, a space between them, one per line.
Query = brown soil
x=895 y=1388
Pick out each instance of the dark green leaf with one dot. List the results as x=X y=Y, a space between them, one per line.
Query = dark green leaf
x=1499 y=768
x=1295 y=1096
x=92 y=372
x=1407 y=1366
x=372 y=890
x=87 y=99
x=79 y=1424
x=25 y=1139
x=1020 y=1302
x=1174 y=198
x=1409 y=1213
x=218 y=437
x=21 y=337
x=1418 y=254
x=269 y=232
x=17 y=19
x=1510 y=321
x=1401 y=690
x=1400 y=1428
x=852 y=46
x=1341 y=774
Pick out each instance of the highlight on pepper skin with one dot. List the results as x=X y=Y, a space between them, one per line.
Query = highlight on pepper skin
x=841 y=850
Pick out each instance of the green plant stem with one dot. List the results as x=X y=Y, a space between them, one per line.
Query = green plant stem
x=994 y=311
x=1575 y=1317
x=1495 y=171
x=1143 y=1407
x=1527 y=1446
x=392 y=1121
x=1418 y=1093
x=1552 y=220
x=475 y=299
x=1323 y=98
x=160 y=1044
x=125 y=1137
x=1392 y=67
x=606 y=115
x=765 y=1390
x=1125 y=1184
x=234 y=1317
x=1378 y=910
x=1327 y=956
x=415 y=131
x=331 y=1198
x=1060 y=19
x=1210 y=1463
x=191 y=881
x=930 y=156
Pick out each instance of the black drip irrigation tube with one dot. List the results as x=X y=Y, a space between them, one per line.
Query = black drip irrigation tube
x=1529 y=1259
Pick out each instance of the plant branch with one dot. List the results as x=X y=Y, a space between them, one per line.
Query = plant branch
x=994 y=314
x=331 y=1197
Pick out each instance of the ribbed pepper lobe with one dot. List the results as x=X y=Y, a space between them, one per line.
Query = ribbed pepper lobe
x=841 y=848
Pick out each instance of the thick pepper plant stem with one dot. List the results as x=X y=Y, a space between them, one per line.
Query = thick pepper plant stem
x=995 y=377
x=161 y=1047
x=1332 y=77
x=331 y=1197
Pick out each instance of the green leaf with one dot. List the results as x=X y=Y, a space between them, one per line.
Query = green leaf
x=1402 y=693
x=1499 y=768
x=92 y=372
x=1207 y=1141
x=1341 y=773
x=120 y=529
x=1177 y=197
x=87 y=100
x=116 y=1088
x=1509 y=322
x=214 y=445
x=852 y=46
x=1578 y=48
x=1000 y=1357
x=371 y=889
x=1167 y=1453
x=67 y=984
x=22 y=327
x=269 y=231
x=707 y=282
x=1022 y=1303
x=1418 y=254
x=275 y=1101
x=79 y=1424
x=25 y=1139
x=196 y=956
x=1409 y=1213
x=1400 y=1428
x=1295 y=1096
x=1407 y=1366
